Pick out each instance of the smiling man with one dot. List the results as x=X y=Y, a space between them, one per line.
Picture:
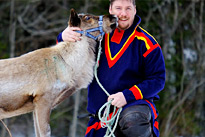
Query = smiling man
x=125 y=12
x=131 y=69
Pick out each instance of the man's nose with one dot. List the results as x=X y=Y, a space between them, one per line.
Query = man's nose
x=123 y=12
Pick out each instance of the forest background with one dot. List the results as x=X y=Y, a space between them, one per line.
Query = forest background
x=178 y=26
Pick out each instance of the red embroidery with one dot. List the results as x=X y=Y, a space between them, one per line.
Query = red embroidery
x=117 y=36
x=112 y=60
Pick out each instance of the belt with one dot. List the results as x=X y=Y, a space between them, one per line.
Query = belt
x=87 y=115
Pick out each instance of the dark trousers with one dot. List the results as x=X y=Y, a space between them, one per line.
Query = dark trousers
x=135 y=121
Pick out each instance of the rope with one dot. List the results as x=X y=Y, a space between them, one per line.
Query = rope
x=106 y=119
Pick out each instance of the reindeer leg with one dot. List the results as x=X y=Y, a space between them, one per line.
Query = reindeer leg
x=35 y=125
x=42 y=117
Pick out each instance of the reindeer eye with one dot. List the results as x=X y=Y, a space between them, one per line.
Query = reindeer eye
x=87 y=17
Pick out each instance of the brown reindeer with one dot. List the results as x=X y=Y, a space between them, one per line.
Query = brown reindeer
x=38 y=81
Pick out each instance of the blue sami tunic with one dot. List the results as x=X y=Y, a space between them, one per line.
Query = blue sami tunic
x=131 y=62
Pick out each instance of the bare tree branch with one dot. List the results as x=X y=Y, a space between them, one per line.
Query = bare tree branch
x=12 y=29
x=189 y=92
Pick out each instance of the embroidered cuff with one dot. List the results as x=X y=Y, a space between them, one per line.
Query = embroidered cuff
x=136 y=92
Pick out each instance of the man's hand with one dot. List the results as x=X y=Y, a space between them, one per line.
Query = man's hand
x=70 y=35
x=118 y=99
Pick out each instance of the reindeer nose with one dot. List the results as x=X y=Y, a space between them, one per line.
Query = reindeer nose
x=113 y=18
x=114 y=21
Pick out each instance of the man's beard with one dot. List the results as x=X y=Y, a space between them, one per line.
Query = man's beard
x=123 y=27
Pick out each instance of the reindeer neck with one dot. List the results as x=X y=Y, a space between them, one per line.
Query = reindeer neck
x=75 y=51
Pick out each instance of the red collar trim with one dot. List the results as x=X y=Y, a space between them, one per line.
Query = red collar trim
x=112 y=60
x=117 y=36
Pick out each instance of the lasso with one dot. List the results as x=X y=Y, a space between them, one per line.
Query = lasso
x=107 y=120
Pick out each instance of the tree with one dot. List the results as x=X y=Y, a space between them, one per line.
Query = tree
x=180 y=25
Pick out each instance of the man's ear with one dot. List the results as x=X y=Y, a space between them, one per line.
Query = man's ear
x=74 y=20
x=110 y=9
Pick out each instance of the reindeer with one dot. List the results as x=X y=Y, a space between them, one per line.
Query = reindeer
x=40 y=80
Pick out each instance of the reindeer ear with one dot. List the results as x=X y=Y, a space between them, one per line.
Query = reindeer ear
x=74 y=20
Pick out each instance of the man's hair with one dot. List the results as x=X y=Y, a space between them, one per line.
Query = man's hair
x=111 y=1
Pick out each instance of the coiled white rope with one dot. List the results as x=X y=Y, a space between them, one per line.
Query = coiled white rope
x=107 y=120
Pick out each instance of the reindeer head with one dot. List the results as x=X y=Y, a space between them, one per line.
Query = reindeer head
x=87 y=21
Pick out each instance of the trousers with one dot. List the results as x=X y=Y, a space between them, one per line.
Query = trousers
x=135 y=121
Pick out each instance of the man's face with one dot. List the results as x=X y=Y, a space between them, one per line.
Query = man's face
x=125 y=11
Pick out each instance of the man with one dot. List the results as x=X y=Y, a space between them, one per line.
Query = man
x=131 y=69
